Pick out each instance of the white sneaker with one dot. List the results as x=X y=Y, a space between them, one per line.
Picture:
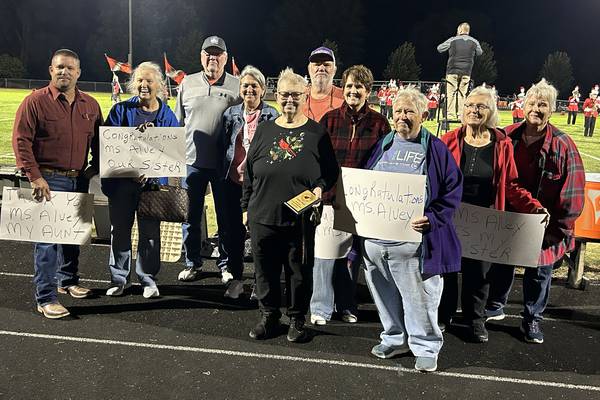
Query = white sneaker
x=348 y=317
x=116 y=290
x=317 y=320
x=226 y=276
x=189 y=274
x=235 y=289
x=150 y=291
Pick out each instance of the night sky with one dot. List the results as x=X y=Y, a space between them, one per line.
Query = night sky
x=522 y=34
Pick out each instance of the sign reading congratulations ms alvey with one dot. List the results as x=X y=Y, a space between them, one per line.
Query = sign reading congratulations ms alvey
x=65 y=219
x=499 y=236
x=155 y=152
x=379 y=205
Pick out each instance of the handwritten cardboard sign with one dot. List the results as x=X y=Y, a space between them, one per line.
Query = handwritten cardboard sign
x=128 y=152
x=65 y=219
x=331 y=244
x=499 y=236
x=379 y=205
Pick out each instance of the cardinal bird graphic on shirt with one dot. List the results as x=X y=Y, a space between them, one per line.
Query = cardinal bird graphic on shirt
x=286 y=146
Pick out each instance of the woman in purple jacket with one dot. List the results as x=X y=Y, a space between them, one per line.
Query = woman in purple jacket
x=404 y=277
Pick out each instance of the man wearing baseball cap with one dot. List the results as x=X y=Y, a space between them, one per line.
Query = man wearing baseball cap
x=202 y=99
x=323 y=96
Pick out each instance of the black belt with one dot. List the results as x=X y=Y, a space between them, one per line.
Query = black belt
x=70 y=173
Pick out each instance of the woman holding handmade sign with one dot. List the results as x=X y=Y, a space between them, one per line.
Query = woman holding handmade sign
x=354 y=128
x=289 y=156
x=145 y=108
x=485 y=156
x=404 y=277
x=239 y=125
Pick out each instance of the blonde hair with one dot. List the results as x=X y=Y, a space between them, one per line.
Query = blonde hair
x=490 y=102
x=414 y=95
x=543 y=90
x=463 y=28
x=256 y=74
x=288 y=75
x=158 y=77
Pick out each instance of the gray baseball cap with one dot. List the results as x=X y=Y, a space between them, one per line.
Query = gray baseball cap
x=214 y=41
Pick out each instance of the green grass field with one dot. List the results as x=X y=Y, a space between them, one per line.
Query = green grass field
x=588 y=147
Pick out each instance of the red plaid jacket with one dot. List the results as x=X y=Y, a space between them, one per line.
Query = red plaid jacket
x=560 y=189
x=353 y=135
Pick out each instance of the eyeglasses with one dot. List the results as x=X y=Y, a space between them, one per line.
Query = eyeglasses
x=286 y=95
x=478 y=107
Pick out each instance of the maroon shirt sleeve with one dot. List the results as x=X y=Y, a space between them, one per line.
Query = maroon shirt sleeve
x=24 y=129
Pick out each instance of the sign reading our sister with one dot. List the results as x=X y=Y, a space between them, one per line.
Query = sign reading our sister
x=379 y=205
x=66 y=218
x=499 y=236
x=155 y=152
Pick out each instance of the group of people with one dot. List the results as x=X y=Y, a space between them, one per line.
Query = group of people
x=256 y=158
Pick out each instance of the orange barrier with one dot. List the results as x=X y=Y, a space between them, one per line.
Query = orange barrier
x=588 y=224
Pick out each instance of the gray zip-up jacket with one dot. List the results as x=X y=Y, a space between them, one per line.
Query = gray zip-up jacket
x=462 y=50
x=199 y=109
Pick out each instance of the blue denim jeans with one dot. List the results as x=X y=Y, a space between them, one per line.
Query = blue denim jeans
x=334 y=284
x=406 y=300
x=233 y=235
x=196 y=183
x=536 y=289
x=56 y=264
x=122 y=204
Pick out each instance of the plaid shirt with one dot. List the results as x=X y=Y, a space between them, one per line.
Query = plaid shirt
x=353 y=135
x=561 y=180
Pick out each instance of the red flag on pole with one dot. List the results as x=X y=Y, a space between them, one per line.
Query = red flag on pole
x=176 y=74
x=234 y=68
x=116 y=66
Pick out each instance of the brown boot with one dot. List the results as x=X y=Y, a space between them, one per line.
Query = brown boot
x=53 y=310
x=76 y=291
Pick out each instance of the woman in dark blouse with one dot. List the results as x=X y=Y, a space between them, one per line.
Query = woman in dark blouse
x=485 y=156
x=287 y=156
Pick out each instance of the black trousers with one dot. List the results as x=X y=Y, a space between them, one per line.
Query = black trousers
x=572 y=116
x=449 y=300
x=590 y=123
x=475 y=289
x=290 y=248
x=234 y=234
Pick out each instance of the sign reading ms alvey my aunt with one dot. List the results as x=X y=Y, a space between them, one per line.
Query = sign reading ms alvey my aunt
x=379 y=205
x=65 y=219
x=154 y=153
x=499 y=236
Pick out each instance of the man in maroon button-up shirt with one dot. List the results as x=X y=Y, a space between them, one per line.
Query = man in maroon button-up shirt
x=55 y=128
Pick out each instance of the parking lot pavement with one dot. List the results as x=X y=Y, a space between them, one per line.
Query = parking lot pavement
x=192 y=343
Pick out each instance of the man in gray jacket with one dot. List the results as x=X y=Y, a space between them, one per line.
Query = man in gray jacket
x=462 y=50
x=202 y=99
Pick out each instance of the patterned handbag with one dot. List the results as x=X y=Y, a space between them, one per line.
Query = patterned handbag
x=164 y=203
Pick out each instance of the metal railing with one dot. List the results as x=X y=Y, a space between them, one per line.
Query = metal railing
x=9 y=83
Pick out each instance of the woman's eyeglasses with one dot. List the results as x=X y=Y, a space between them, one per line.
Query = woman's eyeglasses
x=477 y=107
x=294 y=95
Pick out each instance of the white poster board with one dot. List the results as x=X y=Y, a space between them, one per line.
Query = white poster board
x=65 y=219
x=379 y=205
x=156 y=152
x=331 y=244
x=499 y=236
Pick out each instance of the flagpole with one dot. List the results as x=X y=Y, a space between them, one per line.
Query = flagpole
x=130 y=55
x=167 y=76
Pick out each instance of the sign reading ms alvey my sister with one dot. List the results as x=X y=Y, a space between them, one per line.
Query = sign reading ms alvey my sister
x=155 y=152
x=66 y=218
x=499 y=236
x=379 y=205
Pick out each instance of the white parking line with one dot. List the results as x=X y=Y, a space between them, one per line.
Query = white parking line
x=320 y=361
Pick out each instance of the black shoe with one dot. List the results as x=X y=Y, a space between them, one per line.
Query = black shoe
x=478 y=333
x=297 y=333
x=267 y=327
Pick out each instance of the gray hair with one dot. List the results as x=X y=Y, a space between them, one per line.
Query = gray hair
x=545 y=91
x=256 y=74
x=413 y=95
x=490 y=101
x=158 y=77
x=288 y=75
